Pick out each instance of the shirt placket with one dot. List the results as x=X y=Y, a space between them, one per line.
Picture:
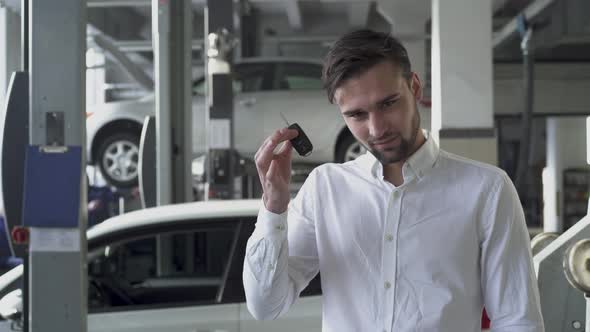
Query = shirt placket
x=389 y=258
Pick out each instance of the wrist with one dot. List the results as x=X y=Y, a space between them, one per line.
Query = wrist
x=275 y=206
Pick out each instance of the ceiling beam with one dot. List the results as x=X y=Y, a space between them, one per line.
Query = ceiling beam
x=148 y=3
x=283 y=1
x=327 y=40
x=123 y=60
x=146 y=45
x=510 y=29
x=118 y=3
x=301 y=39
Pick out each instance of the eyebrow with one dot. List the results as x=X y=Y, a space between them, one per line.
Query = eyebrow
x=380 y=102
x=388 y=98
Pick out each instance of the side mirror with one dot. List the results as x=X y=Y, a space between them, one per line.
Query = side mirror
x=11 y=305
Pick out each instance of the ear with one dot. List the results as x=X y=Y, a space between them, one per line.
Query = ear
x=416 y=86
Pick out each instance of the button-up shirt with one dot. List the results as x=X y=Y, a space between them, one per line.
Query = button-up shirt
x=427 y=255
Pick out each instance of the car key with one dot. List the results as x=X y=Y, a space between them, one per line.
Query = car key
x=301 y=143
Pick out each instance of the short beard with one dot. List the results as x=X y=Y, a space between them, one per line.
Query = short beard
x=403 y=151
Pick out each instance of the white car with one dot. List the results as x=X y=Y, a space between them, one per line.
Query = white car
x=175 y=268
x=263 y=87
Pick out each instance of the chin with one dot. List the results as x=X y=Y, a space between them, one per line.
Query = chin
x=387 y=157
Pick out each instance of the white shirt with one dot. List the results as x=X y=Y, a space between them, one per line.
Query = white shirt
x=425 y=256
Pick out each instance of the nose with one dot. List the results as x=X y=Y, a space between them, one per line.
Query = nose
x=377 y=125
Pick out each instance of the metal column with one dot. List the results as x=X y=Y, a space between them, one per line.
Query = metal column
x=57 y=251
x=172 y=26
x=221 y=162
x=522 y=166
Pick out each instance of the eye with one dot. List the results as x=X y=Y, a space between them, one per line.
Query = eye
x=357 y=116
x=390 y=102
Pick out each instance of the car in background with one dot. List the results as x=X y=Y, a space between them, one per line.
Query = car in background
x=263 y=88
x=175 y=268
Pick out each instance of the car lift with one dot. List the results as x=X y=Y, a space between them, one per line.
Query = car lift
x=167 y=183
x=563 y=273
x=46 y=102
x=222 y=159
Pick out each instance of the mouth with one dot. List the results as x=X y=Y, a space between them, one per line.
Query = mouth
x=385 y=142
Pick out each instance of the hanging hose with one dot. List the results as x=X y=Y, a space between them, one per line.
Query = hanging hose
x=526 y=33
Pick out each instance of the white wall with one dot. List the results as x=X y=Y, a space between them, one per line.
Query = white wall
x=566 y=148
x=461 y=64
x=10 y=49
x=333 y=24
x=558 y=88
x=95 y=77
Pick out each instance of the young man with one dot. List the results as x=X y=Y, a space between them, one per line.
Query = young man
x=407 y=237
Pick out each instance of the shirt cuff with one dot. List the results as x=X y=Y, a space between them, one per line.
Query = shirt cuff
x=270 y=223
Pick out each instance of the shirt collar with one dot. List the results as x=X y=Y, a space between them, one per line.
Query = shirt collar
x=417 y=165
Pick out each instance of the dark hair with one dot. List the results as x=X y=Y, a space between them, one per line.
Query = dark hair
x=356 y=52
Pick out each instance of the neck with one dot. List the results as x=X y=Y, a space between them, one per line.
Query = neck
x=393 y=172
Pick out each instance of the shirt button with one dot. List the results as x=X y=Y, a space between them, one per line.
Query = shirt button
x=280 y=227
x=389 y=237
x=387 y=285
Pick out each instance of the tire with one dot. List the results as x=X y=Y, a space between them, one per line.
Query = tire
x=348 y=149
x=118 y=159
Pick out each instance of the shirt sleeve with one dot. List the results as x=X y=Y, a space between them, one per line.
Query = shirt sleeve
x=508 y=281
x=281 y=256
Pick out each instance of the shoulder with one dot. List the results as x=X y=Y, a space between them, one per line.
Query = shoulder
x=480 y=172
x=497 y=194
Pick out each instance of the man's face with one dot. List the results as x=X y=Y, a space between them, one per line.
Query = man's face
x=380 y=109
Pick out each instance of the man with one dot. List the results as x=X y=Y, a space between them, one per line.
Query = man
x=407 y=237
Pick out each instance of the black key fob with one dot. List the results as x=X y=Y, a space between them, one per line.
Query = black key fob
x=301 y=143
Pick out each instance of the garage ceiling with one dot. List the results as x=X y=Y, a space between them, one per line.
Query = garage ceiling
x=129 y=20
x=563 y=34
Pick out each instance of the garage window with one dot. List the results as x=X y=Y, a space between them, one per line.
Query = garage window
x=247 y=77
x=300 y=76
x=234 y=287
x=183 y=268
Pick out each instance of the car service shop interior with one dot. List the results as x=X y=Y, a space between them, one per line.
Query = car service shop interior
x=129 y=130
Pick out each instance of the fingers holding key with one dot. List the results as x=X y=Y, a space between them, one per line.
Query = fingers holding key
x=274 y=169
x=266 y=152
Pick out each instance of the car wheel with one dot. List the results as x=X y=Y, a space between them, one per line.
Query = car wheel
x=349 y=149
x=118 y=159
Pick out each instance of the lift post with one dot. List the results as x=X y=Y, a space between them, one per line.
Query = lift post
x=222 y=160
x=54 y=204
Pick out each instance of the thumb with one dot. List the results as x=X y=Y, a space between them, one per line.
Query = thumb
x=285 y=150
